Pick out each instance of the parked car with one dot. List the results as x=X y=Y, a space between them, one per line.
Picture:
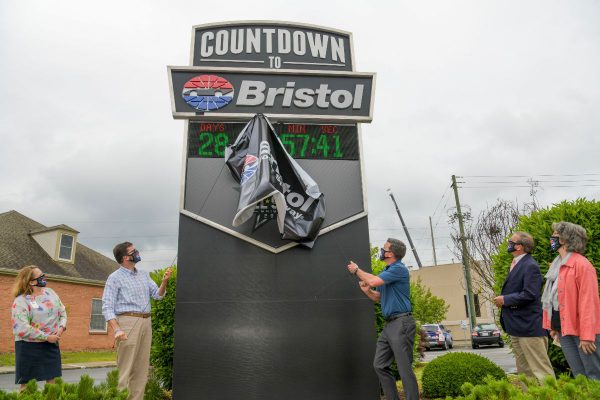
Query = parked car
x=486 y=334
x=438 y=336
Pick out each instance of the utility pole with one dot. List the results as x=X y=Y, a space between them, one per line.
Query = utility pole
x=412 y=247
x=465 y=255
x=432 y=242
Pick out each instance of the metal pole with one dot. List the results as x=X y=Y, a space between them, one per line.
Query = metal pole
x=432 y=242
x=412 y=247
x=465 y=256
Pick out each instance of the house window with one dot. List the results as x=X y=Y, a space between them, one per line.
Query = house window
x=66 y=247
x=97 y=322
x=477 y=308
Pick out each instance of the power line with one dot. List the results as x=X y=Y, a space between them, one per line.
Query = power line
x=524 y=176
x=525 y=186
x=435 y=211
x=392 y=228
x=539 y=181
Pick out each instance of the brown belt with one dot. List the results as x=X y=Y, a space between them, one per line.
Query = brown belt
x=135 y=314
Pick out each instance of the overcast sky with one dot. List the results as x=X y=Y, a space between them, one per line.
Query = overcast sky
x=502 y=88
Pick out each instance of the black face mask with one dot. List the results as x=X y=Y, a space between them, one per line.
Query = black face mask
x=135 y=257
x=41 y=280
x=382 y=252
x=511 y=246
x=555 y=243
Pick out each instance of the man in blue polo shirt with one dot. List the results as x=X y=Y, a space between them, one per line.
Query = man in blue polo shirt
x=392 y=289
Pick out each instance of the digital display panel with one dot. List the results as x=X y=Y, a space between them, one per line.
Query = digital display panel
x=320 y=142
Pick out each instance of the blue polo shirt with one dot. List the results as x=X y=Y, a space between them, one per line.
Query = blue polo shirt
x=395 y=292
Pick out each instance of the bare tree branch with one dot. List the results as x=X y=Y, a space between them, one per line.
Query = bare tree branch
x=483 y=238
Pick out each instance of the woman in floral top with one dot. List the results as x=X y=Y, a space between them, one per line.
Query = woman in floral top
x=38 y=320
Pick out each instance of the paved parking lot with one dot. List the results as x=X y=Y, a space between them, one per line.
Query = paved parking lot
x=503 y=357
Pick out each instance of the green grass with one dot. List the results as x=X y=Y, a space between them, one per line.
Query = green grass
x=68 y=357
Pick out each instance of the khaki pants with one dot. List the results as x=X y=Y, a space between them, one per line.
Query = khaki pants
x=531 y=354
x=133 y=355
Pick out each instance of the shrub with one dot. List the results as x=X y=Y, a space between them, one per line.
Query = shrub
x=60 y=390
x=163 y=325
x=563 y=388
x=539 y=224
x=154 y=390
x=445 y=375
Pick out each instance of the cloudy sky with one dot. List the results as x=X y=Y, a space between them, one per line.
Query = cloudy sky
x=507 y=89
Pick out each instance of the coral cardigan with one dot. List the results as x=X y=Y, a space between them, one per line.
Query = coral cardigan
x=578 y=300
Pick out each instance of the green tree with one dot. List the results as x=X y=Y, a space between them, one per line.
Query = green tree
x=539 y=224
x=163 y=325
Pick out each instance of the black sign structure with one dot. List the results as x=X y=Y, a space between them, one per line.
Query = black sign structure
x=258 y=317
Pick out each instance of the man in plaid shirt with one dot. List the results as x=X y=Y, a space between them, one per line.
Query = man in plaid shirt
x=126 y=307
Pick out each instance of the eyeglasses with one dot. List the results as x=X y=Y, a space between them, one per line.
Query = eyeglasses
x=133 y=253
x=513 y=243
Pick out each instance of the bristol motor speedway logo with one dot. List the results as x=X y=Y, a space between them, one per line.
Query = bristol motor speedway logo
x=207 y=92
x=250 y=167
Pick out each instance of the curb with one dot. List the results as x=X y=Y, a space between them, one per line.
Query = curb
x=100 y=364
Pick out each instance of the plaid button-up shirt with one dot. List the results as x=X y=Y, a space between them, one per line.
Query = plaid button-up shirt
x=128 y=291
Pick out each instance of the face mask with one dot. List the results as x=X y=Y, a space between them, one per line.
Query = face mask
x=41 y=281
x=511 y=246
x=135 y=257
x=555 y=243
x=382 y=256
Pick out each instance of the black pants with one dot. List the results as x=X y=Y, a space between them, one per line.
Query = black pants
x=396 y=342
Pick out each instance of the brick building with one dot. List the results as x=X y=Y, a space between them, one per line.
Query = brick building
x=76 y=272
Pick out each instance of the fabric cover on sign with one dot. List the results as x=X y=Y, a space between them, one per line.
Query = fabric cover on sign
x=259 y=162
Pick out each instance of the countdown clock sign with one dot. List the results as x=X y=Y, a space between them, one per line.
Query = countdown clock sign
x=302 y=141
x=248 y=293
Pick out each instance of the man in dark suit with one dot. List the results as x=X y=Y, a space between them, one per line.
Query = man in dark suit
x=521 y=314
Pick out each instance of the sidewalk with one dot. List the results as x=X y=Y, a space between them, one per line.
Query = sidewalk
x=95 y=364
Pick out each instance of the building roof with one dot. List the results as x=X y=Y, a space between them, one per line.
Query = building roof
x=18 y=249
x=53 y=228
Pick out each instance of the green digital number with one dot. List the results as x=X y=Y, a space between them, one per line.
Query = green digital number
x=221 y=141
x=338 y=150
x=203 y=149
x=305 y=140
x=288 y=143
x=322 y=145
x=211 y=144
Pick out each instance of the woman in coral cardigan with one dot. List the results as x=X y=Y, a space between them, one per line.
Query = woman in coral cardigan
x=570 y=300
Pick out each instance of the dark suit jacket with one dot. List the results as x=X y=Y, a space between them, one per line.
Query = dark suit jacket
x=521 y=313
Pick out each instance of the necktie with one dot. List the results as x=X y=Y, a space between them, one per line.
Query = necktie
x=512 y=264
